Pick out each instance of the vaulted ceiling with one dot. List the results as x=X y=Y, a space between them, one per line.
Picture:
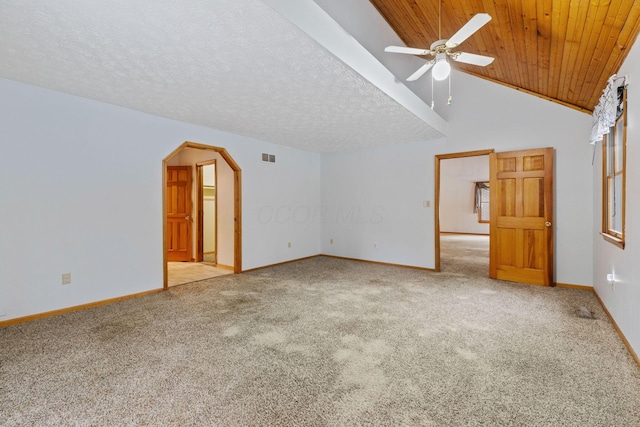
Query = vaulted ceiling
x=239 y=66
x=562 y=50
x=285 y=71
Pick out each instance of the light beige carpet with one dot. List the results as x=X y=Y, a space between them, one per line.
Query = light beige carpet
x=464 y=253
x=325 y=342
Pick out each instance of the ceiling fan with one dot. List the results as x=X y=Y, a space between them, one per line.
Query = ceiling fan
x=442 y=49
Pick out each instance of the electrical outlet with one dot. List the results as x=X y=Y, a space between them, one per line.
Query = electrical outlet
x=289 y=244
x=66 y=278
x=426 y=203
x=375 y=245
x=331 y=241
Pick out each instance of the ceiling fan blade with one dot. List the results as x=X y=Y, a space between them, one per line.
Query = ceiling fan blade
x=421 y=71
x=468 y=29
x=407 y=50
x=473 y=59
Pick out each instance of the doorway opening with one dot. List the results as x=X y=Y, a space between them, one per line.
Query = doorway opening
x=462 y=236
x=207 y=246
x=202 y=214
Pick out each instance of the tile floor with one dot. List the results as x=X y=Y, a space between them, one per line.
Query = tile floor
x=186 y=272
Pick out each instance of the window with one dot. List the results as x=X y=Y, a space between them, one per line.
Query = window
x=482 y=201
x=613 y=179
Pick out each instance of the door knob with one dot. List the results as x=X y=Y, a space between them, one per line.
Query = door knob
x=188 y=218
x=547 y=224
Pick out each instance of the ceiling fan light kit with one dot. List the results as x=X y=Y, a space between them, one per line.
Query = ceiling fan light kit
x=441 y=69
x=441 y=50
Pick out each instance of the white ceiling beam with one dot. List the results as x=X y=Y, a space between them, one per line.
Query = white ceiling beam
x=313 y=20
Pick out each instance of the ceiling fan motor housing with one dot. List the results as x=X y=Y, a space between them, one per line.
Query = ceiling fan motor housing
x=438 y=47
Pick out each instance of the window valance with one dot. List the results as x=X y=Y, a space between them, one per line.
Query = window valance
x=604 y=115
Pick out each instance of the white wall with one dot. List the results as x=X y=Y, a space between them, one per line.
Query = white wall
x=395 y=180
x=623 y=299
x=373 y=204
x=225 y=195
x=81 y=186
x=294 y=216
x=457 y=194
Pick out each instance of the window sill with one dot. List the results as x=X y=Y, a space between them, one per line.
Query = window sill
x=611 y=239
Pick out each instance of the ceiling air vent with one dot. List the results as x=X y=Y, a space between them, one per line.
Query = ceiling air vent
x=271 y=158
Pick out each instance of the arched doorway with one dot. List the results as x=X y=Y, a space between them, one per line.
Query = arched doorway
x=235 y=232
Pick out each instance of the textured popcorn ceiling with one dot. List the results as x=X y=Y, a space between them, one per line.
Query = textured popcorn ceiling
x=233 y=65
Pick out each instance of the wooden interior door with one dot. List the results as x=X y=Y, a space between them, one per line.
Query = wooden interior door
x=521 y=191
x=178 y=199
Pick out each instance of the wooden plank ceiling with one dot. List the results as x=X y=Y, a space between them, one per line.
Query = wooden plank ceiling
x=562 y=50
